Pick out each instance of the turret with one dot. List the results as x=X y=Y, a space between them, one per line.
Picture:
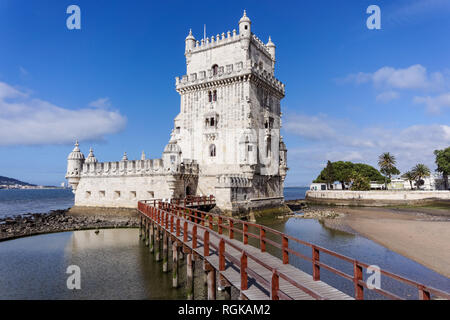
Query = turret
x=190 y=42
x=245 y=26
x=271 y=46
x=172 y=154
x=245 y=31
x=91 y=158
x=75 y=162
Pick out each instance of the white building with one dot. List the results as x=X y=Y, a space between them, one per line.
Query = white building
x=225 y=142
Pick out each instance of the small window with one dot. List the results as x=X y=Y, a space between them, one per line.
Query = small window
x=209 y=96
x=215 y=69
x=172 y=159
x=150 y=194
x=212 y=123
x=116 y=194
x=212 y=150
x=132 y=195
x=214 y=98
x=177 y=130
x=88 y=194
x=260 y=65
x=245 y=27
x=250 y=148
x=102 y=193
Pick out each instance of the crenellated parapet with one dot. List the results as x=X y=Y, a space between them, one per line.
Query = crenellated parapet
x=233 y=72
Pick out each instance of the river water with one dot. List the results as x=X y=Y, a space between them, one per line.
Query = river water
x=116 y=265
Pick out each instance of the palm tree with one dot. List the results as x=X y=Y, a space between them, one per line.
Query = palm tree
x=420 y=171
x=410 y=177
x=386 y=162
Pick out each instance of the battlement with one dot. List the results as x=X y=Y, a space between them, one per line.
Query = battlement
x=136 y=167
x=240 y=68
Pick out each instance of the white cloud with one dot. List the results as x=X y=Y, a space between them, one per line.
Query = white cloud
x=387 y=96
x=413 y=77
x=101 y=103
x=434 y=104
x=411 y=145
x=25 y=120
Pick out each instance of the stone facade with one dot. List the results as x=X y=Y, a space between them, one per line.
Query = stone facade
x=225 y=142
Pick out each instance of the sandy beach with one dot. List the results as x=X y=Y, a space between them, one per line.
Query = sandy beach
x=421 y=234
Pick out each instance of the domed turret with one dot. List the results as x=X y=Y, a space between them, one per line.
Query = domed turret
x=172 y=153
x=125 y=157
x=245 y=31
x=91 y=158
x=75 y=162
x=271 y=46
x=190 y=42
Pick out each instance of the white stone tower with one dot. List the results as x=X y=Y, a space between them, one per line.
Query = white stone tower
x=230 y=118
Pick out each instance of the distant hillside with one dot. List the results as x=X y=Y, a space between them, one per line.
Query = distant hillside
x=10 y=181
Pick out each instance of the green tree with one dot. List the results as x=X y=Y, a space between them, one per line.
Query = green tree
x=386 y=162
x=344 y=171
x=360 y=183
x=410 y=177
x=443 y=164
x=420 y=171
x=328 y=174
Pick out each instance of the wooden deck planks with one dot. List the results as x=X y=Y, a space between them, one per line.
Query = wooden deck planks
x=255 y=290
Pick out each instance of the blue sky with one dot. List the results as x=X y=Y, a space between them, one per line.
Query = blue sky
x=351 y=92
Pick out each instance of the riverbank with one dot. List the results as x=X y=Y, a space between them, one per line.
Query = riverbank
x=420 y=234
x=58 y=221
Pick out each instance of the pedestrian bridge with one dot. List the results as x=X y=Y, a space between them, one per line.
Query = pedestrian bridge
x=222 y=243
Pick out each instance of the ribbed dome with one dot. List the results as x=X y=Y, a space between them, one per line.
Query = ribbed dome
x=190 y=36
x=270 y=43
x=76 y=154
x=172 y=147
x=244 y=18
x=91 y=158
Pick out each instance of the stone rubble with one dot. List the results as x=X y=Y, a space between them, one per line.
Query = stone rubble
x=58 y=221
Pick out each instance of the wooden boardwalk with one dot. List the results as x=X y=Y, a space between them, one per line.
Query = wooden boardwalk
x=257 y=274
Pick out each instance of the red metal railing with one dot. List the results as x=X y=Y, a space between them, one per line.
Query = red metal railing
x=157 y=210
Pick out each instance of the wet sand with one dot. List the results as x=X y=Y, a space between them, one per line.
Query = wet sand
x=422 y=235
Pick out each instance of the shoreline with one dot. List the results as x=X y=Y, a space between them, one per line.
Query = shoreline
x=419 y=234
x=32 y=224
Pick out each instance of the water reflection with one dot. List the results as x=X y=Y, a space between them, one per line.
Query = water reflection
x=116 y=265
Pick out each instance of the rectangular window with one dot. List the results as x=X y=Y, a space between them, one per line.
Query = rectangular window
x=116 y=195
x=132 y=195
x=102 y=193
x=88 y=194
x=150 y=194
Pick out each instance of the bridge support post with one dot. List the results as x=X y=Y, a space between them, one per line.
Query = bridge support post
x=175 y=264
x=165 y=251
x=147 y=233
x=140 y=226
x=211 y=280
x=225 y=287
x=158 y=244
x=190 y=276
x=152 y=237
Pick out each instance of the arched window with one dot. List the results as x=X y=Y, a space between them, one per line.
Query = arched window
x=269 y=147
x=209 y=96
x=214 y=95
x=215 y=69
x=212 y=150
x=260 y=65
